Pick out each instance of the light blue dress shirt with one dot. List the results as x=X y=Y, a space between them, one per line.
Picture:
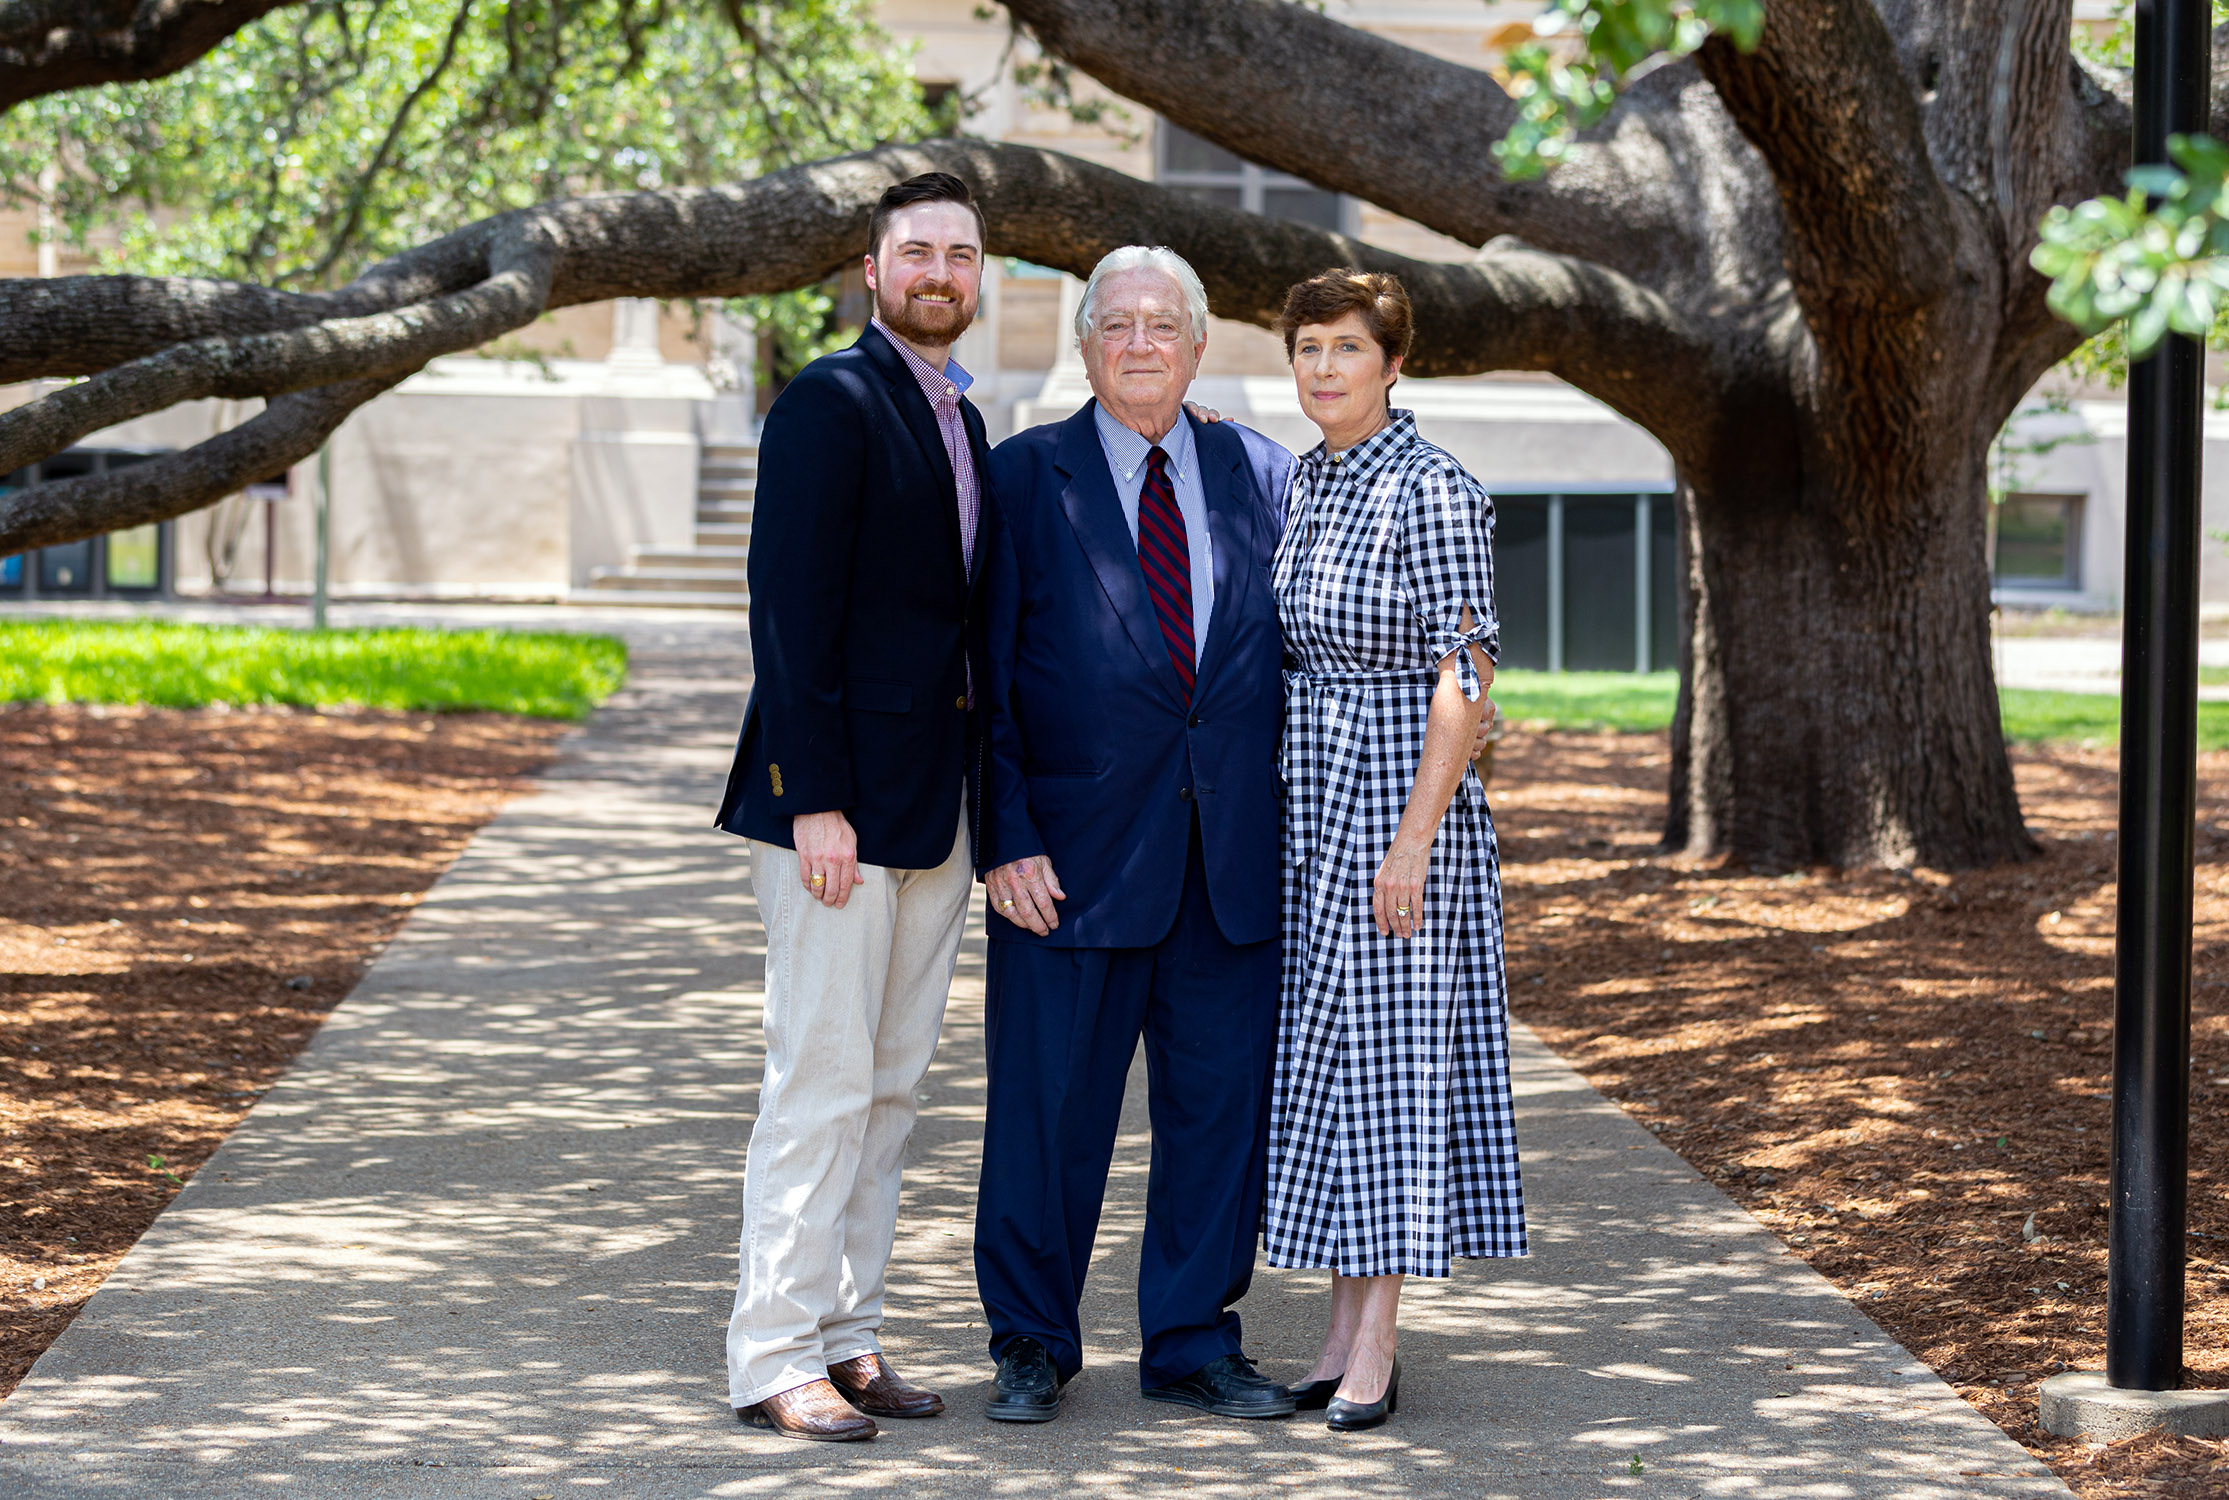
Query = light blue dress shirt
x=1126 y=454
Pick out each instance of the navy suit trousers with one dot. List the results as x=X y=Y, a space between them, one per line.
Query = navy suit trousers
x=1062 y=1025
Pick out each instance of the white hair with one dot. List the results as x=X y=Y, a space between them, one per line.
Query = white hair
x=1145 y=258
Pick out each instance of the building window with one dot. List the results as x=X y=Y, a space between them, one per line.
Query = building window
x=12 y=571
x=2038 y=542
x=133 y=561
x=1201 y=169
x=1587 y=582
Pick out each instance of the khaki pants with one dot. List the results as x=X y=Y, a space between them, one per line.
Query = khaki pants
x=854 y=999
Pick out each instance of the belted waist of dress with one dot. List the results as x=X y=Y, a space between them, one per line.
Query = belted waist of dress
x=1296 y=677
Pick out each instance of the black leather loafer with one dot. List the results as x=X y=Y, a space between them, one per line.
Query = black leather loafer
x=1027 y=1387
x=1228 y=1387
x=1316 y=1394
x=1341 y=1415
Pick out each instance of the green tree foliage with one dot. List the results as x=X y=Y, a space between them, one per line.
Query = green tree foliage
x=1583 y=52
x=330 y=135
x=2154 y=261
x=2129 y=270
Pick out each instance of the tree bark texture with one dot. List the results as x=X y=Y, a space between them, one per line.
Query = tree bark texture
x=47 y=46
x=1803 y=269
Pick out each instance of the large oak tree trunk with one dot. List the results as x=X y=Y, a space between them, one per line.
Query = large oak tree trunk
x=1843 y=707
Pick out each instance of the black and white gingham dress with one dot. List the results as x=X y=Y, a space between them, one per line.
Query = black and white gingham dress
x=1392 y=1138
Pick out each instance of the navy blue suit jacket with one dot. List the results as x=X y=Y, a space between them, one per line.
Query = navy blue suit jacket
x=859 y=605
x=1093 y=759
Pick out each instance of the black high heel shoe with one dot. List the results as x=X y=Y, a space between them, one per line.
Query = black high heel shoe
x=1316 y=1394
x=1341 y=1415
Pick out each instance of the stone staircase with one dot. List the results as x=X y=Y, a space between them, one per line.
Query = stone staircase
x=709 y=574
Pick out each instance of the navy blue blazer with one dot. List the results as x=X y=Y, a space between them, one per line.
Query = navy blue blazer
x=1092 y=758
x=859 y=606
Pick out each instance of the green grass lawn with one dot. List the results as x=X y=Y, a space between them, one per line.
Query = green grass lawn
x=1588 y=700
x=547 y=676
x=1636 y=701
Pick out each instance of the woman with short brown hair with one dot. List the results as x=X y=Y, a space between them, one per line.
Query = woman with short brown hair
x=1392 y=1141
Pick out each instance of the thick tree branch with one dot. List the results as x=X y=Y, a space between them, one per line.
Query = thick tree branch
x=1825 y=101
x=1512 y=308
x=2030 y=103
x=284 y=433
x=82 y=325
x=2085 y=156
x=273 y=364
x=1288 y=88
x=49 y=46
x=2105 y=124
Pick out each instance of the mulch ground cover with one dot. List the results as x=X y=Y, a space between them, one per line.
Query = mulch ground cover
x=1904 y=1075
x=183 y=895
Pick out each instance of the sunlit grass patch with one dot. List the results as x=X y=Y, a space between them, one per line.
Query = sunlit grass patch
x=1638 y=701
x=1634 y=701
x=171 y=665
x=2035 y=715
x=2091 y=718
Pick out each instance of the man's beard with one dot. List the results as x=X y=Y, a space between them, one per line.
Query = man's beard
x=925 y=322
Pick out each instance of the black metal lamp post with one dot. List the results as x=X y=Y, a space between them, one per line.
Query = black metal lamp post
x=2159 y=714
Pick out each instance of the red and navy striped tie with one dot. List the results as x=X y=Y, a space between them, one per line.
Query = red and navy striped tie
x=1165 y=552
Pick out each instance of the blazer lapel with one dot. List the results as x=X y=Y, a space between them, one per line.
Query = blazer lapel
x=1095 y=512
x=979 y=447
x=1230 y=525
x=913 y=408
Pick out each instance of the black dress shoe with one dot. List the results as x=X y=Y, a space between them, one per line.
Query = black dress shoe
x=1027 y=1387
x=1228 y=1387
x=1316 y=1394
x=1341 y=1415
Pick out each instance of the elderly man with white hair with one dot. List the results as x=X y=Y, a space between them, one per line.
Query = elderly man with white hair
x=1133 y=698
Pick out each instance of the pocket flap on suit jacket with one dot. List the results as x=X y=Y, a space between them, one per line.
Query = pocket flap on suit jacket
x=878 y=697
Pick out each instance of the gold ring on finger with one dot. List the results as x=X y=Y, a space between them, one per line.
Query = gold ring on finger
x=1400 y=911
x=1006 y=905
x=820 y=880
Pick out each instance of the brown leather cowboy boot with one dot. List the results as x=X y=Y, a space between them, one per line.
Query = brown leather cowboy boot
x=869 y=1383
x=812 y=1411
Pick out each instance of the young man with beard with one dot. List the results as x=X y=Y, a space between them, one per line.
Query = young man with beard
x=850 y=783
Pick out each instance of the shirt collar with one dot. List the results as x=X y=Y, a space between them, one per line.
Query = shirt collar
x=1127 y=449
x=947 y=384
x=1368 y=456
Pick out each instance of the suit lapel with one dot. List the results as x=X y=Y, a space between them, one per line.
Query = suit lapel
x=1095 y=513
x=1230 y=524
x=920 y=419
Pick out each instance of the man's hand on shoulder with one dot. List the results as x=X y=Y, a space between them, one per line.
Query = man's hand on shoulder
x=1202 y=413
x=827 y=856
x=1024 y=893
x=1487 y=721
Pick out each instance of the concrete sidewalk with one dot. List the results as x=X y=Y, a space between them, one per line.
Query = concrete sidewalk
x=480 y=1243
x=2084 y=664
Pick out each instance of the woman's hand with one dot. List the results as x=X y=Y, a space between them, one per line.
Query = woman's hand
x=1397 y=896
